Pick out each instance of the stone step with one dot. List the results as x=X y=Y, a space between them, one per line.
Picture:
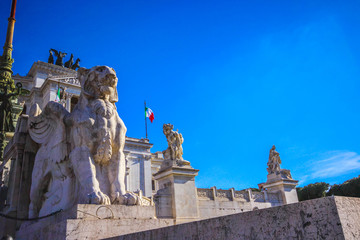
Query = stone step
x=91 y=229
x=92 y=211
x=94 y=221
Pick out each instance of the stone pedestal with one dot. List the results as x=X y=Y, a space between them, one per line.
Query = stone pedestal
x=90 y=221
x=284 y=184
x=177 y=195
x=19 y=154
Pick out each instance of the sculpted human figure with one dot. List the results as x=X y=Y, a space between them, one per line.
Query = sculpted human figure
x=175 y=140
x=51 y=57
x=82 y=149
x=274 y=161
x=60 y=56
x=6 y=120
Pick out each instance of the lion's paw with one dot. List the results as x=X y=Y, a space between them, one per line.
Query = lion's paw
x=98 y=197
x=126 y=199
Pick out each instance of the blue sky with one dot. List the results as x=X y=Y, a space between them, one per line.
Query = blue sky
x=235 y=77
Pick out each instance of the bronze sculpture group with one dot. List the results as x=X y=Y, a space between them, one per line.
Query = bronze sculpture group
x=59 y=61
x=7 y=96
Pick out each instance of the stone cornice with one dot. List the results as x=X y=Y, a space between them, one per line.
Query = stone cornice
x=176 y=171
x=159 y=161
x=49 y=68
x=73 y=81
x=138 y=142
x=281 y=182
x=17 y=77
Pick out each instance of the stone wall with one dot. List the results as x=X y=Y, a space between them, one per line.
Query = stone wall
x=323 y=218
x=218 y=202
x=349 y=213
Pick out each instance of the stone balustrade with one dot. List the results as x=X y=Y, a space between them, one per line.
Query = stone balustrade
x=215 y=202
x=232 y=195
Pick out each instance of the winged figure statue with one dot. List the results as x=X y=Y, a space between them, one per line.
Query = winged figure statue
x=60 y=56
x=80 y=159
x=52 y=170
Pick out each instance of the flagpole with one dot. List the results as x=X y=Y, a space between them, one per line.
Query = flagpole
x=57 y=92
x=145 y=121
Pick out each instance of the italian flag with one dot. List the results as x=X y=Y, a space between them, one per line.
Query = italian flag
x=149 y=113
x=57 y=99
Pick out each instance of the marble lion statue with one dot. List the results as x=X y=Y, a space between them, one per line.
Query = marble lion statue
x=91 y=150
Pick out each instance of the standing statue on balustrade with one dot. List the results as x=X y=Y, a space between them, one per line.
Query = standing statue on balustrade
x=175 y=140
x=274 y=161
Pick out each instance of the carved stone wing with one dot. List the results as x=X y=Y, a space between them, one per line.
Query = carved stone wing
x=55 y=51
x=48 y=129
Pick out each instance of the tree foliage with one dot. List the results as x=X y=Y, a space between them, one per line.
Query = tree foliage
x=350 y=188
x=313 y=190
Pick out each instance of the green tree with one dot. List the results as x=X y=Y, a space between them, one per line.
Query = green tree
x=313 y=190
x=350 y=188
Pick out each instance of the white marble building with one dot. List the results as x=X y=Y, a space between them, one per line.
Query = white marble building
x=43 y=82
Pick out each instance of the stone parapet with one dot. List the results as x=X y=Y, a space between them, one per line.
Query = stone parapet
x=215 y=202
x=323 y=218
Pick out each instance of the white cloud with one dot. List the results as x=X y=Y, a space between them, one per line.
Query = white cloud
x=334 y=163
x=303 y=179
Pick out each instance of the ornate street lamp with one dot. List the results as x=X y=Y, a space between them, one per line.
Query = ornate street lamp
x=9 y=109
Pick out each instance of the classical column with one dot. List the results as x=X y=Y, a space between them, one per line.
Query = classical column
x=68 y=104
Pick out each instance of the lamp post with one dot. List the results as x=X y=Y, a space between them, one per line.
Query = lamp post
x=6 y=60
x=8 y=93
